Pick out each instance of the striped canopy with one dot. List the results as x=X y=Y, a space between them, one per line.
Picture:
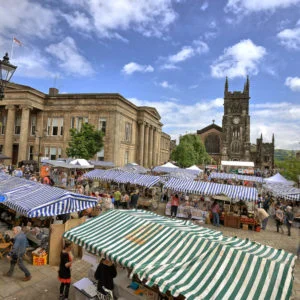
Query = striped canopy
x=235 y=176
x=34 y=199
x=211 y=188
x=285 y=191
x=187 y=259
x=167 y=169
x=123 y=177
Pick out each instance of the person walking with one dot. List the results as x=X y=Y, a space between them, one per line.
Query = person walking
x=134 y=199
x=174 y=205
x=289 y=219
x=64 y=273
x=262 y=216
x=279 y=217
x=117 y=197
x=17 y=253
x=105 y=274
x=215 y=208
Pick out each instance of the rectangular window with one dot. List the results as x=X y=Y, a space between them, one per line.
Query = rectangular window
x=55 y=126
x=76 y=122
x=100 y=155
x=46 y=152
x=2 y=124
x=33 y=125
x=1 y=148
x=126 y=157
x=128 y=132
x=18 y=124
x=30 y=154
x=59 y=152
x=52 y=153
x=102 y=125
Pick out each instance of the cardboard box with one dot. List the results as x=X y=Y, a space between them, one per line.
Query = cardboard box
x=245 y=227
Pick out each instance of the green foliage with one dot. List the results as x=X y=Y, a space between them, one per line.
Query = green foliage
x=281 y=154
x=85 y=143
x=289 y=168
x=190 y=151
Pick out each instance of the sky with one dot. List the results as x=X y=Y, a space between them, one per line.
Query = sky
x=173 y=55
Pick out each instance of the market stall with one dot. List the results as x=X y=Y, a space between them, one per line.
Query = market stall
x=230 y=176
x=184 y=259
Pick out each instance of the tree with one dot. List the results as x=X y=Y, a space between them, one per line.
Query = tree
x=289 y=167
x=190 y=151
x=85 y=143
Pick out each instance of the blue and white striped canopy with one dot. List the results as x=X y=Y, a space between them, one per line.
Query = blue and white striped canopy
x=162 y=169
x=34 y=199
x=216 y=175
x=285 y=191
x=123 y=177
x=211 y=188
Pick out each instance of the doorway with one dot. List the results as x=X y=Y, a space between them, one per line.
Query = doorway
x=15 y=154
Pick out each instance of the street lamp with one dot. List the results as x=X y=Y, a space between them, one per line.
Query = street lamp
x=6 y=72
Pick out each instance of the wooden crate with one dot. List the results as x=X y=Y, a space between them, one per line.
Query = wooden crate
x=245 y=227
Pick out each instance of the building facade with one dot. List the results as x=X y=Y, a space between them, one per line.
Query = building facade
x=232 y=140
x=34 y=124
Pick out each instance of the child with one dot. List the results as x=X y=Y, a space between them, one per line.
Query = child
x=64 y=273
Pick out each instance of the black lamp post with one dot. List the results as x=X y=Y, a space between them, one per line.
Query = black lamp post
x=6 y=72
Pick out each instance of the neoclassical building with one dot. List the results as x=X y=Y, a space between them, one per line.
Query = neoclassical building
x=232 y=140
x=34 y=124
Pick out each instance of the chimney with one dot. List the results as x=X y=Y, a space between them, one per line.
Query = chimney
x=53 y=92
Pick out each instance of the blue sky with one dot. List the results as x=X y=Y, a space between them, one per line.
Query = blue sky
x=173 y=55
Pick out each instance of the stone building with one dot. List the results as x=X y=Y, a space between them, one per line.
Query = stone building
x=34 y=124
x=232 y=140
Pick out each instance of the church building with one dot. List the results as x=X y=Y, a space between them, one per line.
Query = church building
x=232 y=140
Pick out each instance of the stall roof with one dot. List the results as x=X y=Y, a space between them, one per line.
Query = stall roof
x=235 y=176
x=34 y=199
x=278 y=179
x=186 y=259
x=237 y=163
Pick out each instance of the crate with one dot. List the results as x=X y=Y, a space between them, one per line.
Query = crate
x=245 y=227
x=39 y=260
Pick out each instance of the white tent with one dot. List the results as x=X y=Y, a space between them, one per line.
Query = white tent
x=237 y=163
x=194 y=167
x=81 y=162
x=278 y=179
x=168 y=165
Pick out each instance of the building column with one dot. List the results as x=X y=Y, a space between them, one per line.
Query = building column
x=9 y=131
x=155 y=147
x=141 y=142
x=23 y=144
x=146 y=144
x=150 y=162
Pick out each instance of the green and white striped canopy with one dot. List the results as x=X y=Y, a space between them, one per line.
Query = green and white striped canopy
x=187 y=259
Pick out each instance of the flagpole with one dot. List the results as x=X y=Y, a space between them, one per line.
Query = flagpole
x=12 y=48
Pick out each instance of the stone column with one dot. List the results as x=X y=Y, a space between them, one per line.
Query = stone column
x=66 y=136
x=141 y=142
x=23 y=144
x=155 y=148
x=9 y=131
x=150 y=162
x=146 y=144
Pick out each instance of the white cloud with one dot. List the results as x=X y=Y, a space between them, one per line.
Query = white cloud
x=293 y=83
x=204 y=6
x=27 y=19
x=79 y=20
x=166 y=85
x=71 y=61
x=150 y=18
x=248 y=6
x=132 y=67
x=290 y=38
x=239 y=60
x=185 y=53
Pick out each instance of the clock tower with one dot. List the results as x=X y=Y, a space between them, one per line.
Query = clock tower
x=236 y=124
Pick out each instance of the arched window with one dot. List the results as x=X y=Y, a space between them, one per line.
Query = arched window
x=235 y=147
x=212 y=144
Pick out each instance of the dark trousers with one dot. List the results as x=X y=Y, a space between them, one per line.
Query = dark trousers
x=117 y=204
x=21 y=265
x=64 y=289
x=289 y=225
x=279 y=225
x=174 y=210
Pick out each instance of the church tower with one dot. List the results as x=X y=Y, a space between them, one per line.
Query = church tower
x=236 y=124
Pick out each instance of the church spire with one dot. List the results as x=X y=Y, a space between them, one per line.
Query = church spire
x=273 y=139
x=261 y=137
x=247 y=86
x=226 y=86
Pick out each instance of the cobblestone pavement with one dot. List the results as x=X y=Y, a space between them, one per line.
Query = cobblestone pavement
x=45 y=286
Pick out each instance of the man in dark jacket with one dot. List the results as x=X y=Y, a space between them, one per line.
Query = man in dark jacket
x=134 y=199
x=105 y=274
x=17 y=253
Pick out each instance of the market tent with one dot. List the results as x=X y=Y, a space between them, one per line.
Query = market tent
x=235 y=176
x=234 y=163
x=211 y=188
x=104 y=164
x=170 y=168
x=34 y=199
x=123 y=177
x=285 y=191
x=65 y=165
x=186 y=259
x=278 y=178
x=81 y=162
x=134 y=168
x=194 y=167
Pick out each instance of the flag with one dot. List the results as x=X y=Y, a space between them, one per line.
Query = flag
x=17 y=41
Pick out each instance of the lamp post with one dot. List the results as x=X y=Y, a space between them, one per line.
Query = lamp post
x=6 y=72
